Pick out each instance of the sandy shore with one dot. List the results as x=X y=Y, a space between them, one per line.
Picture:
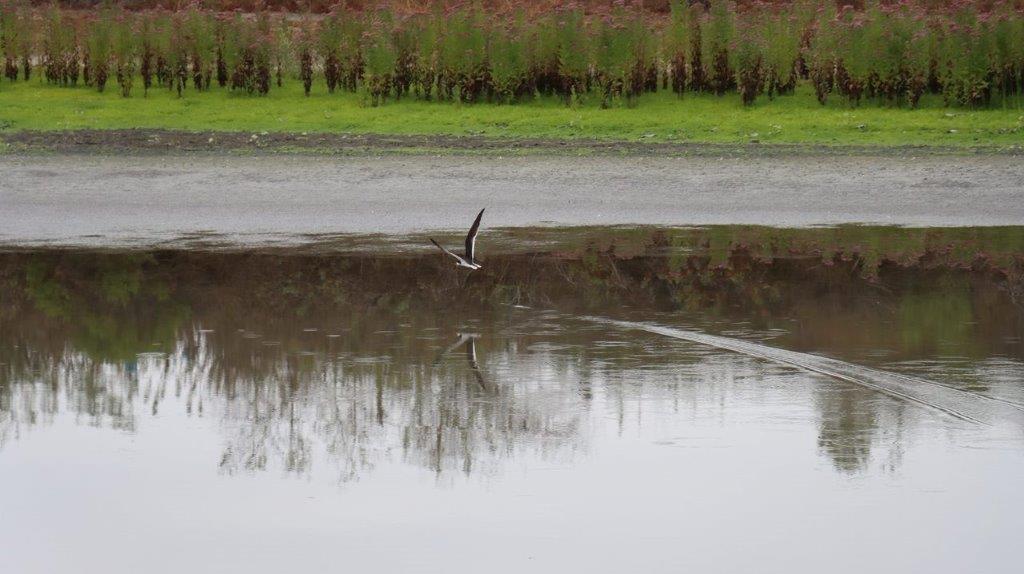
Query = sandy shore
x=89 y=199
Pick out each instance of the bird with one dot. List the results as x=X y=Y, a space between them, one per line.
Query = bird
x=471 y=357
x=468 y=261
x=462 y=340
x=469 y=340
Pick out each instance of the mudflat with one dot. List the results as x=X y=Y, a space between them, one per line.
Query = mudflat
x=150 y=199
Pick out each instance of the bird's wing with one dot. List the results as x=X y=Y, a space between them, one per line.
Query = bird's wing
x=471 y=237
x=461 y=341
x=457 y=258
x=471 y=356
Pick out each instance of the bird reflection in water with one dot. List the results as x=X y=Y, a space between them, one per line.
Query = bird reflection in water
x=469 y=341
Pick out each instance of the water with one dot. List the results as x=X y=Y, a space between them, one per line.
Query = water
x=244 y=411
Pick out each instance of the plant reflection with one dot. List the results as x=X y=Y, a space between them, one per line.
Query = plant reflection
x=348 y=361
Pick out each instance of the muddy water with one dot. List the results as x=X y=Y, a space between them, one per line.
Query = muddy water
x=299 y=411
x=256 y=200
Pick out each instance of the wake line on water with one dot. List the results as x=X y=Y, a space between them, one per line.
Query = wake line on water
x=964 y=405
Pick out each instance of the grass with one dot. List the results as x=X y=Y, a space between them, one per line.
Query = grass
x=660 y=117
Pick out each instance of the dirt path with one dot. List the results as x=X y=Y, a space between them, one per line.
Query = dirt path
x=97 y=199
x=178 y=142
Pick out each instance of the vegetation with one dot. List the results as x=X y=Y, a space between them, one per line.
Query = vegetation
x=890 y=55
x=702 y=118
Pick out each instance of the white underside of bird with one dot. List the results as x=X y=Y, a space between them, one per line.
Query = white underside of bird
x=467 y=261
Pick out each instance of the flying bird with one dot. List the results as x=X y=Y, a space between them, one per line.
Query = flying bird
x=468 y=261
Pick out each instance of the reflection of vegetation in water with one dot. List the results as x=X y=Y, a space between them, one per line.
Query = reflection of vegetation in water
x=74 y=325
x=930 y=319
x=859 y=427
x=114 y=308
x=846 y=431
x=49 y=296
x=286 y=399
x=934 y=316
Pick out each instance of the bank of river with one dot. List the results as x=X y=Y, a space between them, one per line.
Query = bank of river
x=153 y=200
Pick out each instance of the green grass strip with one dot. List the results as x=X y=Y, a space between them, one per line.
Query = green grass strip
x=661 y=117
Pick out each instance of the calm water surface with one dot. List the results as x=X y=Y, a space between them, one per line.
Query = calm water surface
x=157 y=421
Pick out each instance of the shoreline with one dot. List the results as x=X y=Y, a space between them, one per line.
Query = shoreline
x=147 y=141
x=154 y=198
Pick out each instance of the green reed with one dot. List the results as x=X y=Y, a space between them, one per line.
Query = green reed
x=882 y=54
